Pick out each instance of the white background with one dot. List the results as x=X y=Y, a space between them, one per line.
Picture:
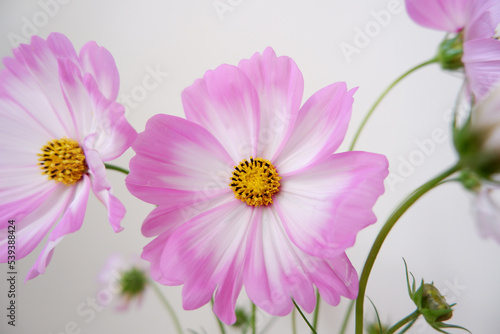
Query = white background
x=437 y=237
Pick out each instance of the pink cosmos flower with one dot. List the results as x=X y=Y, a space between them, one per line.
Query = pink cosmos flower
x=250 y=192
x=477 y=20
x=59 y=123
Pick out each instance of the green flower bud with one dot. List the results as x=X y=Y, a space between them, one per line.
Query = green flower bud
x=434 y=305
x=470 y=180
x=450 y=53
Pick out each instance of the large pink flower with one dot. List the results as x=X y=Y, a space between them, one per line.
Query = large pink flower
x=249 y=192
x=477 y=21
x=59 y=123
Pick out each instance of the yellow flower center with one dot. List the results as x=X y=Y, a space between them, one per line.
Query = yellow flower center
x=255 y=181
x=63 y=160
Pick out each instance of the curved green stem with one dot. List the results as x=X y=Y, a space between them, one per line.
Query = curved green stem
x=313 y=331
x=168 y=307
x=347 y=316
x=316 y=310
x=411 y=317
x=119 y=169
x=384 y=93
x=377 y=244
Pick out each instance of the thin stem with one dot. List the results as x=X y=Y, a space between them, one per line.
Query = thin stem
x=384 y=93
x=411 y=317
x=168 y=307
x=377 y=244
x=221 y=325
x=119 y=169
x=294 y=322
x=304 y=317
x=254 y=322
x=347 y=316
x=316 y=310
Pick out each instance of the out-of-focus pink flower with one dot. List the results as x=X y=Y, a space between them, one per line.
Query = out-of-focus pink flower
x=59 y=123
x=475 y=18
x=476 y=21
x=250 y=192
x=126 y=278
x=487 y=212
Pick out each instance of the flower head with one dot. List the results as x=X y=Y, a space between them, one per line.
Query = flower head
x=59 y=123
x=249 y=192
x=475 y=44
x=128 y=277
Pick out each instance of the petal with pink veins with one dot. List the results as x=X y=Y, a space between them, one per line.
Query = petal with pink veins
x=209 y=251
x=70 y=222
x=319 y=130
x=279 y=85
x=178 y=163
x=324 y=207
x=228 y=93
x=99 y=62
x=102 y=190
x=482 y=65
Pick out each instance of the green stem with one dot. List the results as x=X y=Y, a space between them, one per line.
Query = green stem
x=384 y=93
x=347 y=316
x=411 y=317
x=316 y=310
x=119 y=169
x=377 y=244
x=294 y=322
x=304 y=317
x=254 y=322
x=168 y=307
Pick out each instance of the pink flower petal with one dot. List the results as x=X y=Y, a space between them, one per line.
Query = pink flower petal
x=319 y=130
x=36 y=90
x=153 y=252
x=190 y=257
x=70 y=222
x=335 y=198
x=98 y=62
x=34 y=218
x=447 y=15
x=178 y=163
x=77 y=99
x=62 y=48
x=279 y=85
x=487 y=213
x=276 y=270
x=227 y=93
x=102 y=190
x=482 y=65
x=114 y=134
x=478 y=18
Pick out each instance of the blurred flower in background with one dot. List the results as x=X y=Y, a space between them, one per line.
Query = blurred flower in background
x=127 y=276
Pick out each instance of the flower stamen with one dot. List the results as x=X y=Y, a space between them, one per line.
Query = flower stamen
x=255 y=181
x=63 y=160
